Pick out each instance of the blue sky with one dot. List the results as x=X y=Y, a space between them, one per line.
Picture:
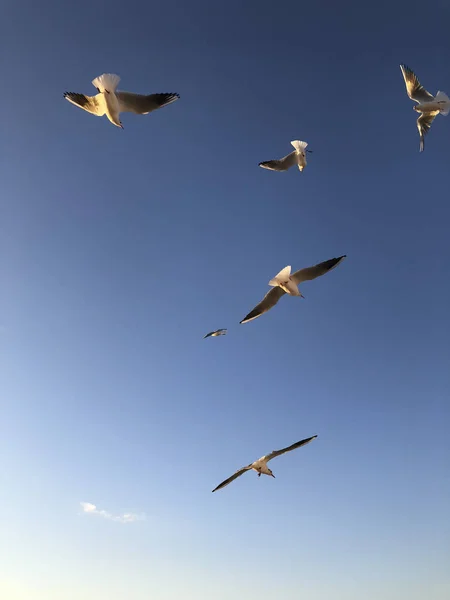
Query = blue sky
x=121 y=249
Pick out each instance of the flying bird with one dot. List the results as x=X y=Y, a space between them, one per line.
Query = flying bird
x=215 y=333
x=260 y=465
x=112 y=102
x=285 y=283
x=427 y=105
x=298 y=157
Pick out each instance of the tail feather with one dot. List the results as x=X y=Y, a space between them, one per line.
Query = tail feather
x=444 y=100
x=107 y=82
x=442 y=96
x=299 y=146
x=281 y=277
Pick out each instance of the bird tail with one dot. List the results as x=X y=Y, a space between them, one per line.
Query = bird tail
x=444 y=100
x=281 y=277
x=299 y=146
x=107 y=82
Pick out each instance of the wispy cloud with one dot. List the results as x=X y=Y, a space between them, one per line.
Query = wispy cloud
x=125 y=518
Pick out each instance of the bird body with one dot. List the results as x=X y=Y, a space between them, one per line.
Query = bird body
x=428 y=106
x=285 y=283
x=215 y=333
x=106 y=85
x=298 y=157
x=300 y=153
x=260 y=466
x=111 y=102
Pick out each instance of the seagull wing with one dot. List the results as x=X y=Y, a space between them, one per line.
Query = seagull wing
x=233 y=477
x=414 y=89
x=317 y=270
x=142 y=105
x=424 y=124
x=269 y=300
x=276 y=453
x=208 y=334
x=282 y=164
x=93 y=104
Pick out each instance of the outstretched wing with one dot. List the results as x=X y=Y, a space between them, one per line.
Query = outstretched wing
x=233 y=477
x=92 y=104
x=142 y=105
x=282 y=164
x=276 y=453
x=414 y=89
x=317 y=270
x=424 y=124
x=269 y=300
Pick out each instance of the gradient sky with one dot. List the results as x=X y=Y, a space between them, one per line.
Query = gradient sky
x=121 y=249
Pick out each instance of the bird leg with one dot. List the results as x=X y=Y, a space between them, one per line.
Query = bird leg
x=259 y=474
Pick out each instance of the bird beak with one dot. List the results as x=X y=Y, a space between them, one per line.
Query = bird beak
x=273 y=475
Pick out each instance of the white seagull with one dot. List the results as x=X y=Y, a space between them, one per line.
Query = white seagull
x=285 y=283
x=298 y=157
x=111 y=103
x=215 y=333
x=429 y=106
x=260 y=465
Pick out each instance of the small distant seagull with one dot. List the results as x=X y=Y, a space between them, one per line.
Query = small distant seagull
x=298 y=157
x=215 y=333
x=285 y=283
x=429 y=106
x=111 y=103
x=260 y=465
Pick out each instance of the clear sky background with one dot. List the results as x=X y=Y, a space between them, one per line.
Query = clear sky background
x=120 y=249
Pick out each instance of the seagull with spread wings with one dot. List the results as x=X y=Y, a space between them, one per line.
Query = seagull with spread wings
x=260 y=465
x=285 y=283
x=427 y=105
x=298 y=157
x=112 y=102
x=215 y=333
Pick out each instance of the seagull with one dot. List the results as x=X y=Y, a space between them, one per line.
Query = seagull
x=298 y=157
x=260 y=465
x=285 y=283
x=111 y=103
x=215 y=333
x=429 y=106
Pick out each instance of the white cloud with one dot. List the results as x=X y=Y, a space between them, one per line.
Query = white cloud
x=125 y=518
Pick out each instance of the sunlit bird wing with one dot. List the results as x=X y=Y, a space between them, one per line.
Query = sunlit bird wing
x=92 y=104
x=282 y=164
x=233 y=477
x=317 y=270
x=141 y=104
x=414 y=89
x=276 y=453
x=269 y=300
x=424 y=124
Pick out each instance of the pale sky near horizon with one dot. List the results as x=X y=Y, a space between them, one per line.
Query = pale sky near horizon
x=121 y=249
